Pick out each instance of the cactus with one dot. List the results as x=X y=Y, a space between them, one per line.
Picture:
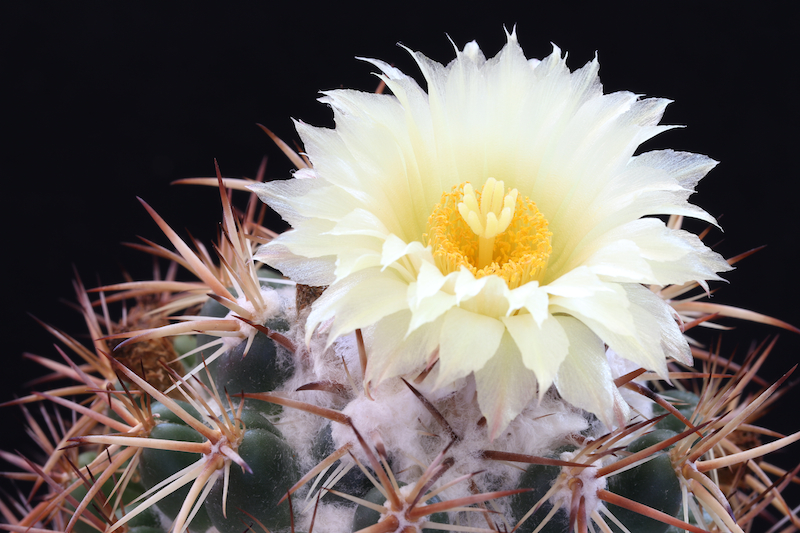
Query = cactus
x=232 y=415
x=271 y=433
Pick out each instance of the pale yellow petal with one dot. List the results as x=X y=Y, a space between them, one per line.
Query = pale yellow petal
x=467 y=341
x=653 y=336
x=309 y=238
x=684 y=167
x=486 y=296
x=504 y=387
x=585 y=379
x=394 y=248
x=429 y=282
x=432 y=308
x=308 y=271
x=360 y=222
x=532 y=298
x=352 y=302
x=672 y=339
x=390 y=352
x=543 y=347
x=281 y=195
x=581 y=293
x=646 y=251
x=356 y=260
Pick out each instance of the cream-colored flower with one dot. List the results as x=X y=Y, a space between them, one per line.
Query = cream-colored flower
x=500 y=222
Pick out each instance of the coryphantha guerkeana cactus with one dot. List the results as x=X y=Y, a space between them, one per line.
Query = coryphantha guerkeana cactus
x=480 y=321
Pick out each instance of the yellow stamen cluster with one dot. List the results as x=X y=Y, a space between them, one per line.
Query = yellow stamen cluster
x=489 y=232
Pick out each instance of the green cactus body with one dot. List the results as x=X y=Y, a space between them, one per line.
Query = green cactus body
x=263 y=368
x=274 y=469
x=354 y=482
x=539 y=478
x=653 y=483
x=260 y=370
x=184 y=344
x=157 y=465
x=256 y=415
x=161 y=413
x=273 y=463
x=684 y=401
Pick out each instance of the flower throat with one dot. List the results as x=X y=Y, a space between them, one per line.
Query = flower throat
x=489 y=232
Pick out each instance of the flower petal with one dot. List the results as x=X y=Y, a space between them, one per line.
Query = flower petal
x=467 y=341
x=685 y=167
x=585 y=379
x=533 y=298
x=391 y=352
x=308 y=271
x=353 y=304
x=582 y=293
x=280 y=196
x=360 y=222
x=646 y=251
x=543 y=347
x=653 y=334
x=505 y=386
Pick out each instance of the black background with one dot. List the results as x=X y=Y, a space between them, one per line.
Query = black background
x=105 y=101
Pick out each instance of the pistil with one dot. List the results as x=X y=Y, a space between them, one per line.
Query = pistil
x=489 y=218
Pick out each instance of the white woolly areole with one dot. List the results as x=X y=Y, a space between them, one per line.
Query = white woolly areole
x=403 y=522
x=328 y=519
x=299 y=427
x=393 y=414
x=540 y=428
x=590 y=484
x=273 y=305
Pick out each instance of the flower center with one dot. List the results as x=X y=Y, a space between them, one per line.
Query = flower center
x=489 y=232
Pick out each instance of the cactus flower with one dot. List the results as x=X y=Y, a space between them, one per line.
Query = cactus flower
x=496 y=227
